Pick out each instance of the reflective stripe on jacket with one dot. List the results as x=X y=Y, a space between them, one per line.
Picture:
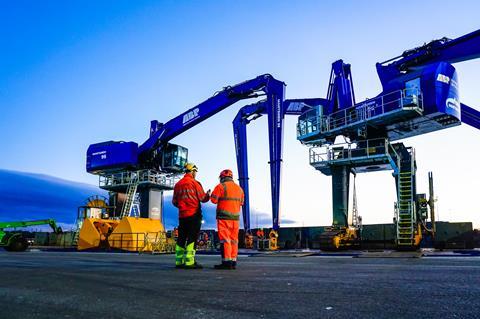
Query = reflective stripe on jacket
x=229 y=199
x=187 y=195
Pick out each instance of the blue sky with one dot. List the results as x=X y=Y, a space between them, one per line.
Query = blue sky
x=76 y=73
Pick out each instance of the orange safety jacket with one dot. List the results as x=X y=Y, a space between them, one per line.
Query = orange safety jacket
x=187 y=195
x=260 y=234
x=229 y=197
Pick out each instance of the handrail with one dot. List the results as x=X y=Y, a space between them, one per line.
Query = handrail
x=144 y=176
x=312 y=122
x=338 y=151
x=374 y=107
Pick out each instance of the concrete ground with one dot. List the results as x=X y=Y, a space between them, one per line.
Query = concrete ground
x=40 y=284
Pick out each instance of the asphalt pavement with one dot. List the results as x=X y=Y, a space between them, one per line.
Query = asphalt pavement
x=39 y=284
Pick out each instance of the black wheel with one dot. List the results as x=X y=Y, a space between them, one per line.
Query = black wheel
x=17 y=244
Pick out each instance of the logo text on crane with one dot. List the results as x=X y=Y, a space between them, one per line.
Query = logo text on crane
x=443 y=78
x=190 y=116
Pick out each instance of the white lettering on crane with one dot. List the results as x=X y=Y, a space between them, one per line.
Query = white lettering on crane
x=190 y=116
x=443 y=78
x=279 y=114
x=103 y=154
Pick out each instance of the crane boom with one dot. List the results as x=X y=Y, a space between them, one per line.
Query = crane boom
x=117 y=157
x=464 y=48
x=21 y=224
x=201 y=112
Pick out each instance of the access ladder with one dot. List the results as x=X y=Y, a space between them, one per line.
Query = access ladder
x=406 y=216
x=130 y=196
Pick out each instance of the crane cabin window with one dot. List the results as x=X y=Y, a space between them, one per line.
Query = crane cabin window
x=174 y=157
x=412 y=92
x=412 y=87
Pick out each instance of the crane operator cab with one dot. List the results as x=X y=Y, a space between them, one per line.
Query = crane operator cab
x=116 y=156
x=174 y=158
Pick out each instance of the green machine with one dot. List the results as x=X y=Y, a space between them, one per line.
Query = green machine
x=14 y=240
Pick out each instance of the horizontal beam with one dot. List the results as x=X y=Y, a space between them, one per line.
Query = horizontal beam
x=470 y=116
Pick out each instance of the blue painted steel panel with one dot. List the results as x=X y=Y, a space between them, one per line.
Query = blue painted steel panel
x=446 y=85
x=470 y=116
x=276 y=114
x=111 y=156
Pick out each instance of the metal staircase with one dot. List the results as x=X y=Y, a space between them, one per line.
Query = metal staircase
x=130 y=196
x=405 y=208
x=356 y=219
x=76 y=233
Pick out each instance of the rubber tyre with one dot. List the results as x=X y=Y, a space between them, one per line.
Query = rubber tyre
x=18 y=244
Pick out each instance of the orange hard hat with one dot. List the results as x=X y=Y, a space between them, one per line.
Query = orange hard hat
x=226 y=173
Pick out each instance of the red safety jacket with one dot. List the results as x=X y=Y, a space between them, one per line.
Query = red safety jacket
x=229 y=197
x=187 y=195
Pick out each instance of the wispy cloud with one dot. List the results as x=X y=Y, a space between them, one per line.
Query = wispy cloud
x=28 y=196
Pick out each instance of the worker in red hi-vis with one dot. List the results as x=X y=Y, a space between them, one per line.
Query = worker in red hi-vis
x=229 y=199
x=188 y=194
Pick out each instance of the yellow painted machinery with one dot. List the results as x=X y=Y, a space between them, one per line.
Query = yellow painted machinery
x=266 y=243
x=204 y=241
x=129 y=233
x=94 y=233
x=273 y=240
x=97 y=229
x=335 y=238
x=136 y=234
x=248 y=240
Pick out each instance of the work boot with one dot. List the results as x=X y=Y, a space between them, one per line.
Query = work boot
x=182 y=266
x=234 y=264
x=194 y=266
x=224 y=265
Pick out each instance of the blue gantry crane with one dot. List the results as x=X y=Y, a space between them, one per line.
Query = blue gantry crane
x=420 y=95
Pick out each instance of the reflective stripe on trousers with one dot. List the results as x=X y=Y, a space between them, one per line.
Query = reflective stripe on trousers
x=190 y=255
x=179 y=256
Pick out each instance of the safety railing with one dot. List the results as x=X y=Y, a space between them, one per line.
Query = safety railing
x=144 y=176
x=154 y=242
x=311 y=122
x=127 y=241
x=351 y=151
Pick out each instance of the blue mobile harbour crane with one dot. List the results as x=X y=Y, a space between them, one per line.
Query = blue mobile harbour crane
x=420 y=95
x=124 y=168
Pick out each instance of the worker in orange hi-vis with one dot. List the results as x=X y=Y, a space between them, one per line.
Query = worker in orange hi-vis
x=229 y=199
x=260 y=233
x=188 y=194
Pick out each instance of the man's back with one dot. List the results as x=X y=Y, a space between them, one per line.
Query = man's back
x=229 y=197
x=187 y=195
